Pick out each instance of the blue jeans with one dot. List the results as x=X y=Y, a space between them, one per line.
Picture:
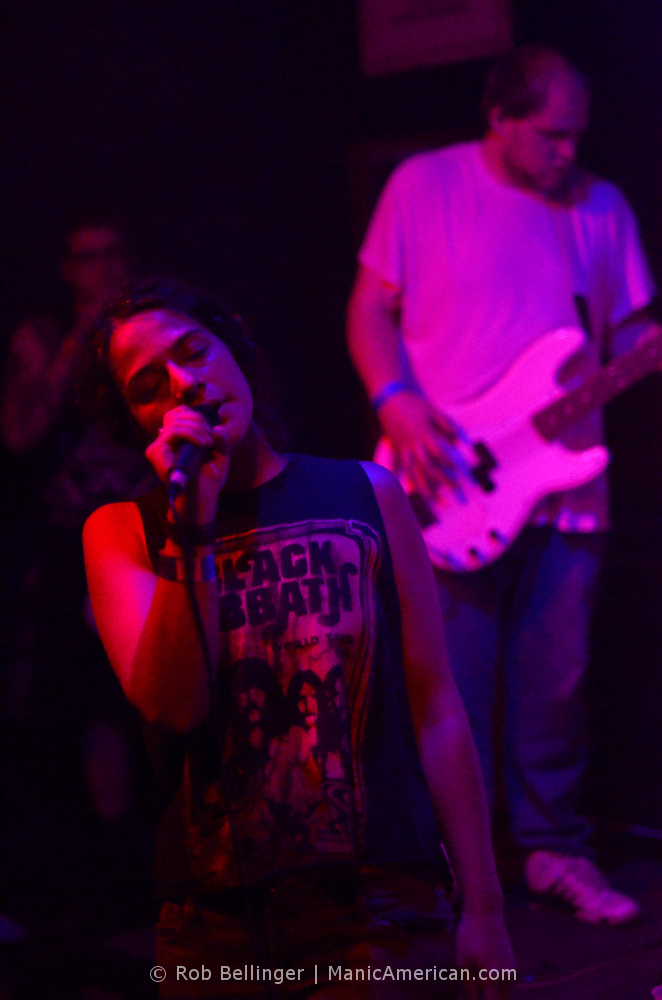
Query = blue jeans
x=311 y=922
x=529 y=615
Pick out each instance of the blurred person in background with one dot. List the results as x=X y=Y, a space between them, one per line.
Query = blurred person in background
x=65 y=723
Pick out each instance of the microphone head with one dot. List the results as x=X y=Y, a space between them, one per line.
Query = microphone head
x=190 y=455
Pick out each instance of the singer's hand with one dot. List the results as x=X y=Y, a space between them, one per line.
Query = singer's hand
x=183 y=424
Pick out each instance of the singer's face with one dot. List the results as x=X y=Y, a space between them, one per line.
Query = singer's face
x=163 y=359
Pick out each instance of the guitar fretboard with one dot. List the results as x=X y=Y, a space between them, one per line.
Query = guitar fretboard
x=597 y=390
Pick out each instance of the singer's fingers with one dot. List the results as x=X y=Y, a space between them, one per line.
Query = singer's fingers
x=186 y=424
x=179 y=428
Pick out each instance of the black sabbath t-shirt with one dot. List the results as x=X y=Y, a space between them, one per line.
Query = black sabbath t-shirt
x=313 y=727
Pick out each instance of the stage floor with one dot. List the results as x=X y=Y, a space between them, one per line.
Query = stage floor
x=558 y=957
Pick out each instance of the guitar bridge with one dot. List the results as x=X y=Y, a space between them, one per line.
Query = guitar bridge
x=480 y=473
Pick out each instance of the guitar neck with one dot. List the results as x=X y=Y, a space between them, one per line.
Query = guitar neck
x=598 y=389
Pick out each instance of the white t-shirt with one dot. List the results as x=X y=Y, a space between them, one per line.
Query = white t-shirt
x=484 y=269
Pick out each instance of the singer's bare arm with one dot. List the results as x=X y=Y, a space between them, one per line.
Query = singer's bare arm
x=146 y=623
x=444 y=740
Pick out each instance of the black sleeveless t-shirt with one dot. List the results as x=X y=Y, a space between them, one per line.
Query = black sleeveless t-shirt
x=315 y=749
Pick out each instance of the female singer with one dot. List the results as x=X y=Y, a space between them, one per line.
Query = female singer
x=299 y=851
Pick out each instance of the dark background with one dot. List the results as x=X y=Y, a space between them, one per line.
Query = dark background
x=241 y=146
x=242 y=149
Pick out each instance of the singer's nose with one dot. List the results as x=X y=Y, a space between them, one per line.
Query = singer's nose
x=187 y=388
x=189 y=395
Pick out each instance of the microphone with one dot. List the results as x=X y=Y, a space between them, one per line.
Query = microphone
x=190 y=456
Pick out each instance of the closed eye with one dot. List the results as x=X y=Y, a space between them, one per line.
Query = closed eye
x=192 y=349
x=197 y=355
x=145 y=388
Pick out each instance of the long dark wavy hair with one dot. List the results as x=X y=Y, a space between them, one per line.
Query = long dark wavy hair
x=99 y=393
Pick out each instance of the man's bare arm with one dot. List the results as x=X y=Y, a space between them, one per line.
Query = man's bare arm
x=418 y=433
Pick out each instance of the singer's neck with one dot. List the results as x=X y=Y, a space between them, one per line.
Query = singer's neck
x=254 y=462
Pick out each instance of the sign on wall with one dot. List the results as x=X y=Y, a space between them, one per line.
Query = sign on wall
x=408 y=34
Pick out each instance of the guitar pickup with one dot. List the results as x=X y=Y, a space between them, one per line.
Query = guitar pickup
x=480 y=473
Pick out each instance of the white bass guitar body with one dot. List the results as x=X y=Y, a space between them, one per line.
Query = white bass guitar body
x=507 y=456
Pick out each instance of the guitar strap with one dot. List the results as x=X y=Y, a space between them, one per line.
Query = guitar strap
x=581 y=305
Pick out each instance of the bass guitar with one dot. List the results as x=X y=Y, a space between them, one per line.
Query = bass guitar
x=508 y=456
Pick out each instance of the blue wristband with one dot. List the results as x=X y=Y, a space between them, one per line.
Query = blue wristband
x=390 y=389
